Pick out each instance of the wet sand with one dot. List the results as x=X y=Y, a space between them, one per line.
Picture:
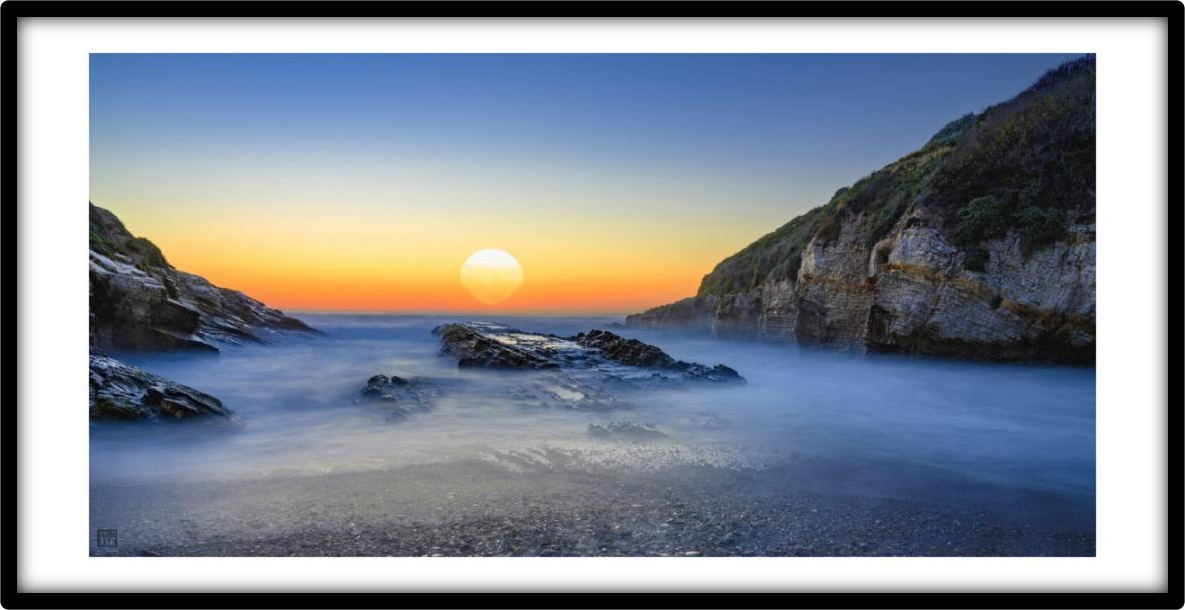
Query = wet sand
x=483 y=508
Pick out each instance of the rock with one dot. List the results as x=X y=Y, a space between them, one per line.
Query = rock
x=401 y=397
x=692 y=314
x=935 y=254
x=547 y=389
x=626 y=351
x=559 y=390
x=132 y=310
x=138 y=301
x=119 y=391
x=627 y=429
x=587 y=372
x=490 y=346
x=633 y=352
x=708 y=421
x=597 y=355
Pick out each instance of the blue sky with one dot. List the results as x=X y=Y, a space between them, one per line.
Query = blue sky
x=741 y=143
x=798 y=126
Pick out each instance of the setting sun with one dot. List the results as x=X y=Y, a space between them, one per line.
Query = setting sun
x=491 y=275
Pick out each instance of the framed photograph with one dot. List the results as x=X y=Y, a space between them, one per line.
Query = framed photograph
x=638 y=309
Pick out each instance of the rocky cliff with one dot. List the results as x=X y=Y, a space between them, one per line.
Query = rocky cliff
x=139 y=302
x=981 y=244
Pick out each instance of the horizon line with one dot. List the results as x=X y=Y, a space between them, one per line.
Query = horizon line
x=453 y=313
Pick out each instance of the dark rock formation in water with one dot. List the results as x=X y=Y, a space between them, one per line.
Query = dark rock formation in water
x=401 y=397
x=979 y=245
x=597 y=354
x=119 y=391
x=592 y=371
x=139 y=302
x=547 y=389
x=625 y=351
x=633 y=352
x=474 y=348
x=554 y=389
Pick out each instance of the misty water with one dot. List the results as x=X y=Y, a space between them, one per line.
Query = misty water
x=817 y=453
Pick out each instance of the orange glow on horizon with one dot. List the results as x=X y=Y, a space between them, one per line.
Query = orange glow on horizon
x=610 y=298
x=343 y=263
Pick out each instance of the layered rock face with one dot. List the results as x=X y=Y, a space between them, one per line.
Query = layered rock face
x=979 y=245
x=139 y=302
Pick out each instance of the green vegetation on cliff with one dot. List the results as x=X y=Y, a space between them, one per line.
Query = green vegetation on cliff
x=882 y=197
x=110 y=238
x=773 y=257
x=1027 y=164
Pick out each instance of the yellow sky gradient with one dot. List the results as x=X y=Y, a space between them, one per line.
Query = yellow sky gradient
x=348 y=258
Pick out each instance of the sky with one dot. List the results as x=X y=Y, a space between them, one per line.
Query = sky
x=363 y=182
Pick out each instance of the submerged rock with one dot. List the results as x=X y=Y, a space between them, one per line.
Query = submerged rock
x=545 y=390
x=401 y=397
x=119 y=391
x=708 y=421
x=627 y=429
x=555 y=389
